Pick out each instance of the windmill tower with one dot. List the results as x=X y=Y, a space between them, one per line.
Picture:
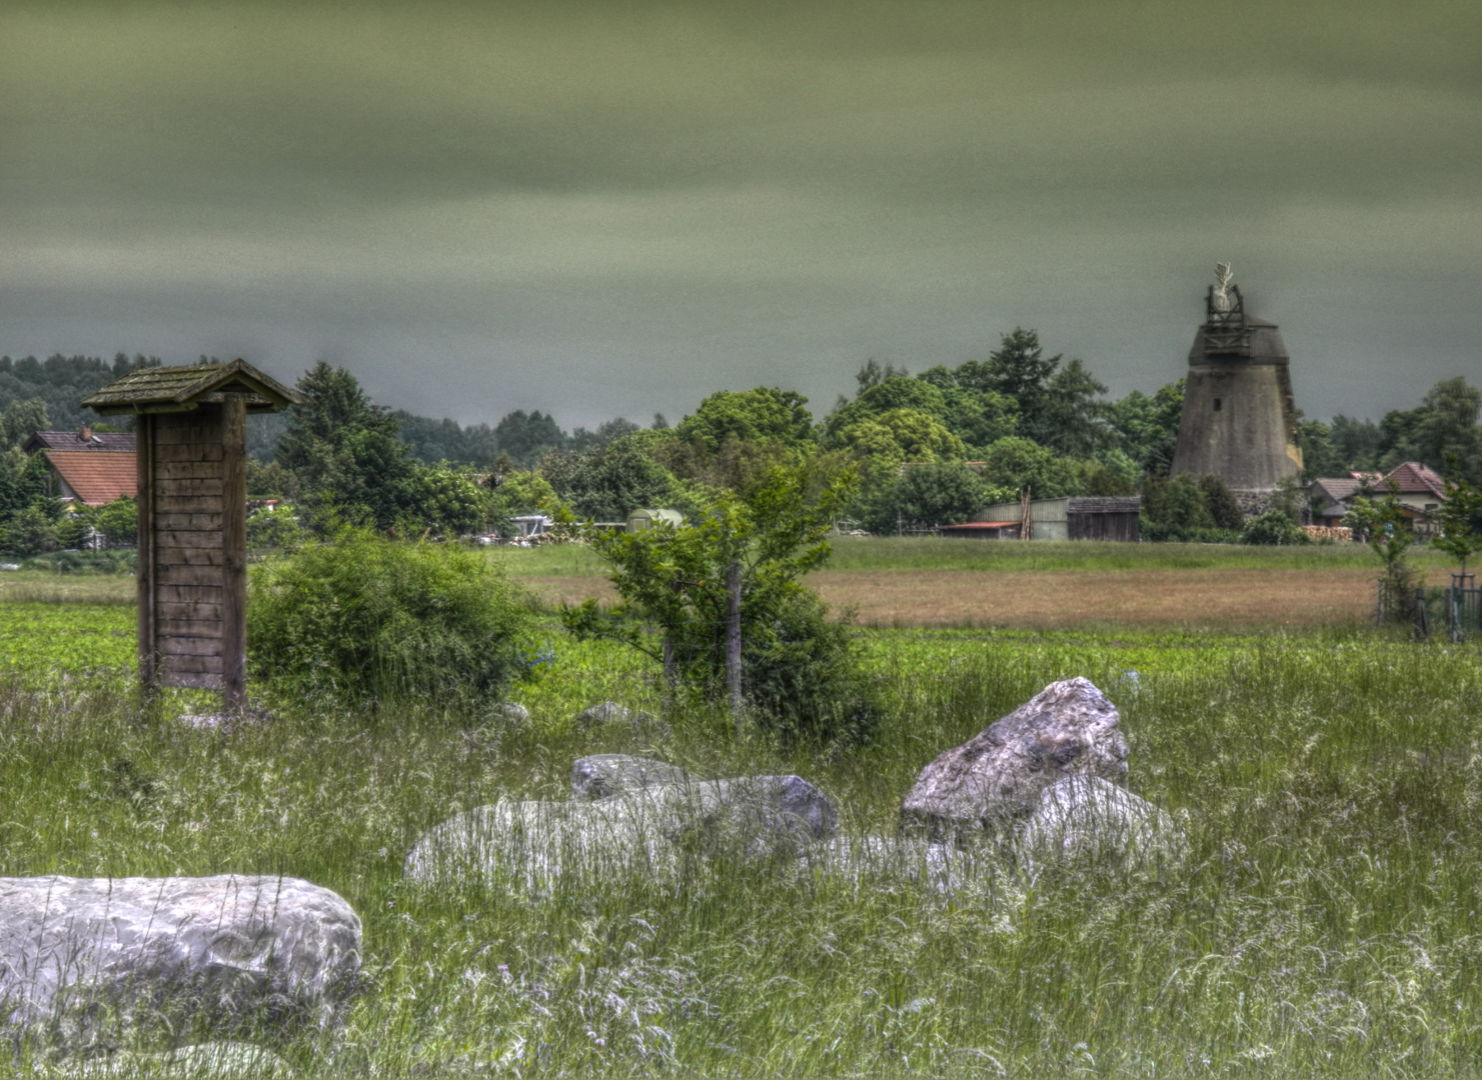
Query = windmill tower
x=1238 y=420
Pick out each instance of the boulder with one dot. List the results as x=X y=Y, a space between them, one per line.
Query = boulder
x=1067 y=729
x=601 y=775
x=946 y=868
x=513 y=714
x=1085 y=819
x=83 y=960
x=604 y=712
x=652 y=831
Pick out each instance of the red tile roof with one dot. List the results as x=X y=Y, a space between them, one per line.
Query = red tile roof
x=96 y=478
x=1414 y=477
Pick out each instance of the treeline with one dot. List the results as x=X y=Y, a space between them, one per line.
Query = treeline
x=924 y=449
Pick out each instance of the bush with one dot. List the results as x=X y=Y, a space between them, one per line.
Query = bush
x=803 y=675
x=1272 y=527
x=364 y=617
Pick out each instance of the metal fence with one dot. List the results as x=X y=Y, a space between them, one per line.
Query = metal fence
x=1454 y=610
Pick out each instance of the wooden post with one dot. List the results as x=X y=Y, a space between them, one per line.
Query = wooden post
x=733 y=642
x=234 y=553
x=144 y=450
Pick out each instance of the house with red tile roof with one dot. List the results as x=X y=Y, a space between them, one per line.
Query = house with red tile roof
x=88 y=467
x=93 y=479
x=1418 y=489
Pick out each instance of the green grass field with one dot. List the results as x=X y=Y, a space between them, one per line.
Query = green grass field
x=879 y=553
x=1325 y=923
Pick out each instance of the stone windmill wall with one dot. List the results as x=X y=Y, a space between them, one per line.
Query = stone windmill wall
x=1239 y=421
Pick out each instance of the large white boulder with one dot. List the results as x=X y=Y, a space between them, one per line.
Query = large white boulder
x=1085 y=819
x=599 y=776
x=84 y=959
x=650 y=831
x=1068 y=729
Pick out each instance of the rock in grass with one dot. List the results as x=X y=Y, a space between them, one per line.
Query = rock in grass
x=1085 y=819
x=652 y=831
x=601 y=775
x=84 y=960
x=216 y=1061
x=1067 y=729
x=513 y=714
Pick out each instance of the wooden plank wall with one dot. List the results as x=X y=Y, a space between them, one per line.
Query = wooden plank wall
x=192 y=567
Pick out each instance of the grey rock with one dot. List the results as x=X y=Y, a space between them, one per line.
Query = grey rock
x=604 y=712
x=1068 y=729
x=83 y=960
x=947 y=868
x=611 y=714
x=599 y=776
x=653 y=831
x=512 y=713
x=204 y=1061
x=225 y=721
x=1086 y=819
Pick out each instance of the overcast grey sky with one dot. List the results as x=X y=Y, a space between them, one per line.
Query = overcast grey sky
x=603 y=208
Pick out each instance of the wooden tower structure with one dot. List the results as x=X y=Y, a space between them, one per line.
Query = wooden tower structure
x=190 y=426
x=1239 y=421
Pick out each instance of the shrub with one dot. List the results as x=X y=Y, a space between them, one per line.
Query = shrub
x=1272 y=527
x=804 y=675
x=365 y=617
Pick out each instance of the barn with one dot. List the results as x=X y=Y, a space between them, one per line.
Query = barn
x=1074 y=517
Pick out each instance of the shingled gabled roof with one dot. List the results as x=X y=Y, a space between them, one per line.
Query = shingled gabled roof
x=86 y=439
x=1415 y=478
x=180 y=389
x=93 y=478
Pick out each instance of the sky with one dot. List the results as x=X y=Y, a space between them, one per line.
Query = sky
x=616 y=207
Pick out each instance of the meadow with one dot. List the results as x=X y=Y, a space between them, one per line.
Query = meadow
x=905 y=582
x=1323 y=924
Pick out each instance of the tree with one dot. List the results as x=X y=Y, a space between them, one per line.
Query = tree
x=873 y=373
x=926 y=495
x=1355 y=444
x=1319 y=456
x=1385 y=528
x=119 y=522
x=1146 y=427
x=1460 y=518
x=1441 y=428
x=1174 y=508
x=1018 y=463
x=528 y=437
x=1072 y=418
x=352 y=468
x=607 y=483
x=30 y=531
x=1224 y=511
x=765 y=413
x=798 y=670
x=19 y=420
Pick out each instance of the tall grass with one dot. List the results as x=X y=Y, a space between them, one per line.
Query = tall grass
x=1324 y=924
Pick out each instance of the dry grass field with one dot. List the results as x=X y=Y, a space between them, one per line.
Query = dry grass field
x=1217 y=598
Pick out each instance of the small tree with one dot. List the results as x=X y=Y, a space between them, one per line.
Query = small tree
x=119 y=522
x=1460 y=518
x=679 y=587
x=1385 y=528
